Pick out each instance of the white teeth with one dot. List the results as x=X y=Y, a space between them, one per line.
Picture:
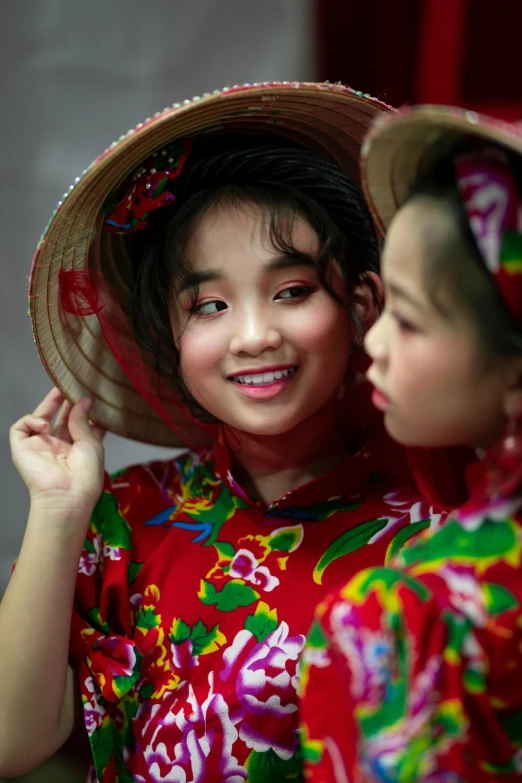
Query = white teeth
x=265 y=378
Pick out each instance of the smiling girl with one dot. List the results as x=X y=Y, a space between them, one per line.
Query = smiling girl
x=227 y=238
x=426 y=653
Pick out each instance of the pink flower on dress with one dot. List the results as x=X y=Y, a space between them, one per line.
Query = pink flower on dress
x=90 y=560
x=245 y=566
x=204 y=751
x=112 y=552
x=264 y=677
x=93 y=712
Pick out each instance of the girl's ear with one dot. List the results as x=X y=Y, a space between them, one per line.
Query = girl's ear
x=368 y=299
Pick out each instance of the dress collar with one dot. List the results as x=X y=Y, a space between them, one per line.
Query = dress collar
x=345 y=483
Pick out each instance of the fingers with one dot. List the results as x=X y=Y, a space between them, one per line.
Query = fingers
x=27 y=426
x=50 y=405
x=79 y=426
x=61 y=425
x=98 y=431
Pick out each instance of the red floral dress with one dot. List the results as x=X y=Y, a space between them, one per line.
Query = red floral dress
x=192 y=605
x=423 y=660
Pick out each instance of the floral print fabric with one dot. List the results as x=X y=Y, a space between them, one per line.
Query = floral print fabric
x=192 y=605
x=424 y=661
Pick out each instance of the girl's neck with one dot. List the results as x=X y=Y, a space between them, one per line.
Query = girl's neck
x=269 y=466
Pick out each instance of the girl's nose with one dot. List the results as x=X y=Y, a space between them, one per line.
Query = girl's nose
x=375 y=343
x=255 y=333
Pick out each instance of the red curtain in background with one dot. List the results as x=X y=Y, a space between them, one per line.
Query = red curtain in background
x=463 y=52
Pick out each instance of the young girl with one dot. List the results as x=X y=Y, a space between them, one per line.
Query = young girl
x=427 y=653
x=228 y=232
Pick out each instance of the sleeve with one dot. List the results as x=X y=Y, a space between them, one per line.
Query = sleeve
x=405 y=668
x=100 y=645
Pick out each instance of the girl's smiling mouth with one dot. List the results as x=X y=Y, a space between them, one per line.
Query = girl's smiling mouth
x=263 y=382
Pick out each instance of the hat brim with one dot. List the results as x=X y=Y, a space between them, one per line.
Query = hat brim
x=332 y=118
x=400 y=144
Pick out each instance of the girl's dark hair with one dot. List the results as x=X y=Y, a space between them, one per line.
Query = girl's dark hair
x=288 y=181
x=457 y=263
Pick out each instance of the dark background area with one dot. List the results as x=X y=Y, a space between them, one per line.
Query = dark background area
x=458 y=52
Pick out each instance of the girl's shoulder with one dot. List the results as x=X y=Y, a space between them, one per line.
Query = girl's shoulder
x=148 y=494
x=165 y=477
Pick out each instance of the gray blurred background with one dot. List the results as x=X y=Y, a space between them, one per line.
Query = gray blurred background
x=75 y=76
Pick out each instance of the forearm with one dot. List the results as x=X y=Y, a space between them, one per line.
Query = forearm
x=35 y=617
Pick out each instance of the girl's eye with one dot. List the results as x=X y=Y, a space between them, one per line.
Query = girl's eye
x=208 y=308
x=404 y=326
x=294 y=292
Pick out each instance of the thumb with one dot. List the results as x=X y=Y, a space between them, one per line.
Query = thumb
x=79 y=425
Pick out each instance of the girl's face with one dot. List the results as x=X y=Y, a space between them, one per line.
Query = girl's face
x=432 y=380
x=264 y=346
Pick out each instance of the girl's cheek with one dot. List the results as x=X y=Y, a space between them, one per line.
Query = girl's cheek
x=200 y=350
x=326 y=323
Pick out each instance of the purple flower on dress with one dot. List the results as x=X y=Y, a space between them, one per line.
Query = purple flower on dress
x=205 y=749
x=245 y=566
x=90 y=560
x=264 y=677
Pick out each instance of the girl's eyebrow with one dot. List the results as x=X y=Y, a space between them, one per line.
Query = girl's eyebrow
x=400 y=293
x=195 y=279
x=286 y=260
x=283 y=261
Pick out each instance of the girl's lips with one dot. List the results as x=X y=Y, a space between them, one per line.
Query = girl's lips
x=264 y=391
x=380 y=400
x=262 y=370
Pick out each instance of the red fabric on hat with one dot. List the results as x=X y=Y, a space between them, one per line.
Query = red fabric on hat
x=85 y=292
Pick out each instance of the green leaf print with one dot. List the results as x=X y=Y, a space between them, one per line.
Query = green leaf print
x=89 y=546
x=286 y=539
x=498 y=599
x=234 y=594
x=474 y=681
x=403 y=535
x=263 y=622
x=316 y=638
x=493 y=541
x=267 y=766
x=109 y=522
x=179 y=631
x=95 y=621
x=458 y=632
x=382 y=581
x=103 y=741
x=146 y=691
x=220 y=511
x=133 y=571
x=206 y=640
x=512 y=725
x=147 y=619
x=347 y=542
x=225 y=550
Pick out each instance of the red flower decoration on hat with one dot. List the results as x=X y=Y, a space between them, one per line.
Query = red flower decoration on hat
x=490 y=196
x=150 y=187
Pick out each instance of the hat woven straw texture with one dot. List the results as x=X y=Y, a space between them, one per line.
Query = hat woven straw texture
x=400 y=144
x=327 y=117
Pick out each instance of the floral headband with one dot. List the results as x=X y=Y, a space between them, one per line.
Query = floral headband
x=149 y=188
x=490 y=197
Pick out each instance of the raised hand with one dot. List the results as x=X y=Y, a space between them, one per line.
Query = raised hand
x=61 y=465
